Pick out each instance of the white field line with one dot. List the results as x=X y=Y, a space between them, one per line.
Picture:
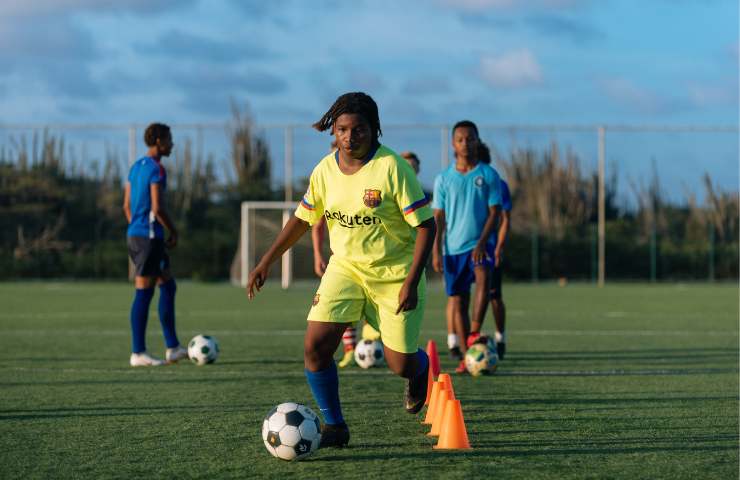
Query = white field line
x=300 y=332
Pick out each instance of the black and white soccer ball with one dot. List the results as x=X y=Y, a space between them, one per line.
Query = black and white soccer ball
x=291 y=431
x=369 y=353
x=203 y=349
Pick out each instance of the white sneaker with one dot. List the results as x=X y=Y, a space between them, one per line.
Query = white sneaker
x=143 y=359
x=172 y=355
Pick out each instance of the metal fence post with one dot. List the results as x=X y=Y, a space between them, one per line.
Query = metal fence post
x=653 y=253
x=602 y=206
x=288 y=158
x=444 y=147
x=535 y=254
x=711 y=252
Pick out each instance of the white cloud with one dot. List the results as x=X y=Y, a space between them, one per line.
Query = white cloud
x=706 y=95
x=518 y=68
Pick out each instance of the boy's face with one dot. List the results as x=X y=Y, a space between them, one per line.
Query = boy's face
x=465 y=142
x=353 y=135
x=164 y=145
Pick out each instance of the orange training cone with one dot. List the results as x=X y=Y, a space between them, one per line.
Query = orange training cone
x=432 y=403
x=442 y=400
x=433 y=357
x=453 y=436
x=446 y=380
x=430 y=384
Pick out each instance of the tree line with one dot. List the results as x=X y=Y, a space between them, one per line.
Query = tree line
x=59 y=220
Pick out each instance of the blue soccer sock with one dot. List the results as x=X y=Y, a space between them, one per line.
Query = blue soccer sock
x=423 y=360
x=167 y=312
x=139 y=317
x=325 y=388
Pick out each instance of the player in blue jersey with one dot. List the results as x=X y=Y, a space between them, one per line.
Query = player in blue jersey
x=466 y=203
x=147 y=217
x=499 y=240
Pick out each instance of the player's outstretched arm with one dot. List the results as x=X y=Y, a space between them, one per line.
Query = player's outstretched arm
x=292 y=231
x=408 y=296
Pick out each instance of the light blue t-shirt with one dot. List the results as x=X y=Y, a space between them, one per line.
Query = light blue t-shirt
x=465 y=199
x=143 y=173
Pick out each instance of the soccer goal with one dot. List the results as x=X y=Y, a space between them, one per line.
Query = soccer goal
x=260 y=228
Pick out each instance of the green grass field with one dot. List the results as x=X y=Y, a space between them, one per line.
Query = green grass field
x=629 y=381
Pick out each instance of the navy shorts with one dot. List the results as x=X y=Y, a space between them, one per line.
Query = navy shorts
x=149 y=256
x=459 y=271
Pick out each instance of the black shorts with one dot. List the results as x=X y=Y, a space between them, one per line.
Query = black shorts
x=149 y=256
x=495 y=292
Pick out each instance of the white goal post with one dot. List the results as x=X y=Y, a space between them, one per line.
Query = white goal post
x=247 y=239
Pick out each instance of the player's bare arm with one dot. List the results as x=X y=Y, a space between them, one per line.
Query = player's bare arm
x=127 y=202
x=160 y=213
x=503 y=232
x=439 y=218
x=479 y=252
x=291 y=233
x=408 y=296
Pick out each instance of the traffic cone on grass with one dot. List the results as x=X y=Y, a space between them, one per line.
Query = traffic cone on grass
x=432 y=403
x=433 y=357
x=453 y=436
x=446 y=380
x=442 y=400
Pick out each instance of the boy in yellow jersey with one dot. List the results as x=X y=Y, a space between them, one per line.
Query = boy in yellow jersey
x=381 y=232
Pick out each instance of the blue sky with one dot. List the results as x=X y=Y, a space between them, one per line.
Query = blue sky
x=434 y=61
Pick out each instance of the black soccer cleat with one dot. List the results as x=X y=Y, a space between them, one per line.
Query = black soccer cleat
x=415 y=393
x=501 y=349
x=334 y=436
x=455 y=353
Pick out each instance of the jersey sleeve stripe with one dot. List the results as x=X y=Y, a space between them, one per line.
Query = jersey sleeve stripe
x=307 y=205
x=416 y=205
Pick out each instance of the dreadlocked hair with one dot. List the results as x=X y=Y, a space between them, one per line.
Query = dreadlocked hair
x=354 y=103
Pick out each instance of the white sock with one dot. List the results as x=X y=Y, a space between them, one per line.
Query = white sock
x=501 y=337
x=452 y=340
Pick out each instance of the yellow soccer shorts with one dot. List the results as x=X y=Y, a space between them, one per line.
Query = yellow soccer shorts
x=347 y=293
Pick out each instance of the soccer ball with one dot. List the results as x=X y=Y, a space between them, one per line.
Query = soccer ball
x=203 y=349
x=478 y=359
x=291 y=431
x=369 y=353
x=492 y=353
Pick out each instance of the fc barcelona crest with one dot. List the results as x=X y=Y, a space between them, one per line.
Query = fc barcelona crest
x=372 y=198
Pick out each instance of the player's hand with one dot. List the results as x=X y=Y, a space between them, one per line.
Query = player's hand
x=497 y=256
x=479 y=254
x=408 y=298
x=437 y=262
x=171 y=241
x=319 y=266
x=256 y=280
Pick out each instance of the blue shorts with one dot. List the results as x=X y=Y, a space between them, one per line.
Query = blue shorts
x=459 y=270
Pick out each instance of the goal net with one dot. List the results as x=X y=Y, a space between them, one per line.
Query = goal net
x=260 y=224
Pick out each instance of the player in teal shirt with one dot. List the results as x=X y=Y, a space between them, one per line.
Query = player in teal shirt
x=466 y=202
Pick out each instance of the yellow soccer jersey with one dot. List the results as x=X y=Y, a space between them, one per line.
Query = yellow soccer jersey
x=370 y=214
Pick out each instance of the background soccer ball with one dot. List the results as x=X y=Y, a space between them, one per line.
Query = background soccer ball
x=369 y=353
x=291 y=431
x=203 y=349
x=477 y=359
